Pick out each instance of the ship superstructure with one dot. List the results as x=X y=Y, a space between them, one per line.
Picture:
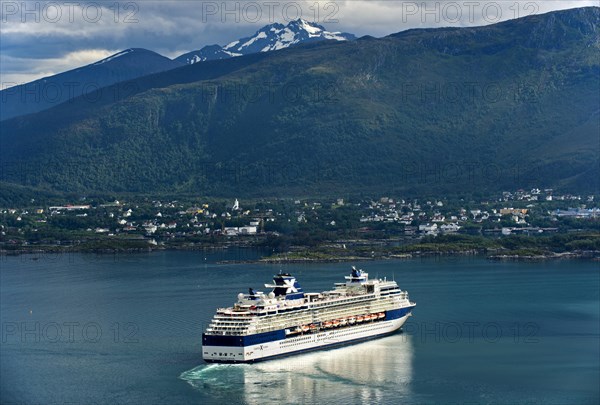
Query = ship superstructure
x=288 y=320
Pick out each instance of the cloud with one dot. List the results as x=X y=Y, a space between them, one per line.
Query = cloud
x=381 y=18
x=47 y=37
x=23 y=70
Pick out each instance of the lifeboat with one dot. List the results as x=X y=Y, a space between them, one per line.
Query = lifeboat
x=373 y=317
x=313 y=327
x=335 y=323
x=359 y=319
x=327 y=324
x=343 y=322
x=352 y=320
x=304 y=328
x=381 y=315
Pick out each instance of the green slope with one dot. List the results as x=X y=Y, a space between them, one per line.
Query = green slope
x=504 y=106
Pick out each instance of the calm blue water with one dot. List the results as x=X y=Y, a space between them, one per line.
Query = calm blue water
x=127 y=330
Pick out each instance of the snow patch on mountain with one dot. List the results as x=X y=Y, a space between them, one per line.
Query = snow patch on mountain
x=231 y=44
x=269 y=38
x=116 y=55
x=255 y=38
x=313 y=30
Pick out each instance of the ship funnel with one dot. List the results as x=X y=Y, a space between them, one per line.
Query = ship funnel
x=285 y=285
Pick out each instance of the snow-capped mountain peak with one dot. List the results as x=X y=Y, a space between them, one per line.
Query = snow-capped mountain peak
x=271 y=37
x=313 y=29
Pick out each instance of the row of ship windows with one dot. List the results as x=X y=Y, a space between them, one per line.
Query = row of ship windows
x=294 y=343
x=320 y=305
x=362 y=298
x=353 y=333
x=280 y=315
x=299 y=339
x=232 y=333
x=284 y=345
x=225 y=333
x=282 y=310
x=233 y=318
x=229 y=327
x=221 y=354
x=332 y=315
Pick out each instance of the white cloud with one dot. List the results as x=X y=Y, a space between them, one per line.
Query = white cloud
x=380 y=18
x=29 y=69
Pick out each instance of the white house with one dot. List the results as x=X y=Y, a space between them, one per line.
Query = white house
x=428 y=228
x=450 y=227
x=247 y=230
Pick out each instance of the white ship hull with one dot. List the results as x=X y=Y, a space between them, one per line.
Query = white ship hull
x=303 y=342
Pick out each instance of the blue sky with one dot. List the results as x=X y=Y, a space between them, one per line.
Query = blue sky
x=42 y=38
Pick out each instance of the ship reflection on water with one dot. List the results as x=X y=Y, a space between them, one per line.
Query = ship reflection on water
x=363 y=372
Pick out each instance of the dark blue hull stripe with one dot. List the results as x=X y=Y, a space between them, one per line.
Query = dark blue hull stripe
x=397 y=313
x=311 y=349
x=242 y=341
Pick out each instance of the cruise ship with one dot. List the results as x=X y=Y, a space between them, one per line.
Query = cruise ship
x=287 y=320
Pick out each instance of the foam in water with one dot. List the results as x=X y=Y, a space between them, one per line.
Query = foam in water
x=364 y=370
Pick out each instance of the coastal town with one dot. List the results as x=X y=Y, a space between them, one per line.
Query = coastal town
x=95 y=224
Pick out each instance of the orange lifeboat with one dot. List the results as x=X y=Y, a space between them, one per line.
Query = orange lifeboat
x=381 y=315
x=335 y=323
x=359 y=318
x=327 y=324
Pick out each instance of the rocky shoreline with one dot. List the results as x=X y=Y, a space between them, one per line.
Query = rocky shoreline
x=299 y=258
x=321 y=256
x=590 y=255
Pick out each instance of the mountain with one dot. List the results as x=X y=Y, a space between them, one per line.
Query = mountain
x=450 y=110
x=269 y=38
x=50 y=91
x=131 y=63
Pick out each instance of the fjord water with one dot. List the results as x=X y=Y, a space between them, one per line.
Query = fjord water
x=127 y=330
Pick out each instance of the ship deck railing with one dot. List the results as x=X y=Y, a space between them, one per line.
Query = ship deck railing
x=322 y=305
x=328 y=315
